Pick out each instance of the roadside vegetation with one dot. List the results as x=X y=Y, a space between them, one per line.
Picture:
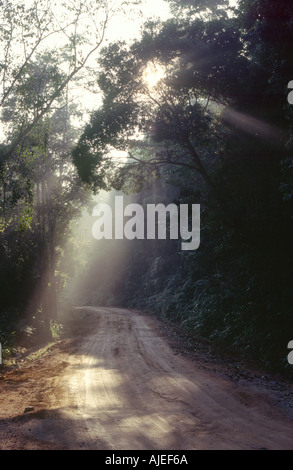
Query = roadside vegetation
x=194 y=111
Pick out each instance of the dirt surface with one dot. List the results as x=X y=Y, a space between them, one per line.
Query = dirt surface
x=125 y=382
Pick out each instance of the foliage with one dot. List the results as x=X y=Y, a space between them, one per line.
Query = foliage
x=213 y=126
x=218 y=127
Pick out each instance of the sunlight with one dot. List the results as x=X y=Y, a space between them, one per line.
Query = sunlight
x=153 y=74
x=252 y=125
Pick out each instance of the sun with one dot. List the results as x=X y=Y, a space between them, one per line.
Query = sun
x=153 y=73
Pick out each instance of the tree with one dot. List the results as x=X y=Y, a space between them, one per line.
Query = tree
x=78 y=29
x=36 y=217
x=45 y=49
x=130 y=108
x=219 y=112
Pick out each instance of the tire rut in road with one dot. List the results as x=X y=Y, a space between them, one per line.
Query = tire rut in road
x=133 y=392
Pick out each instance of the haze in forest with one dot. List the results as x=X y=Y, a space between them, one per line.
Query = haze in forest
x=184 y=103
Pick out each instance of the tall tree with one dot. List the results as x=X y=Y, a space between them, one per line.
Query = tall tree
x=78 y=29
x=219 y=111
x=45 y=47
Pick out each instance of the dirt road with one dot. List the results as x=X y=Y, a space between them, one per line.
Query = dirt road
x=122 y=387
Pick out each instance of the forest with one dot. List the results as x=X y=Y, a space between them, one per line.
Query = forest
x=194 y=110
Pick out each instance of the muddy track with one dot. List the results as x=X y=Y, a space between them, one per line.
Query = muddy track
x=122 y=387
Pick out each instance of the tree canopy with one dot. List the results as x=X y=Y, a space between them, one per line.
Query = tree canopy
x=213 y=121
x=46 y=48
x=194 y=110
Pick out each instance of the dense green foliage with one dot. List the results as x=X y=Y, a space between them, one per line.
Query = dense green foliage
x=42 y=55
x=218 y=127
x=198 y=104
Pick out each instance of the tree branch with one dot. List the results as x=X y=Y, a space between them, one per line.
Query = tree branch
x=56 y=94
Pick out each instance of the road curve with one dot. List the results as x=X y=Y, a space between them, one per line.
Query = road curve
x=128 y=391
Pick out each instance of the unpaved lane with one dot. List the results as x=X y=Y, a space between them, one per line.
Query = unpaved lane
x=128 y=390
